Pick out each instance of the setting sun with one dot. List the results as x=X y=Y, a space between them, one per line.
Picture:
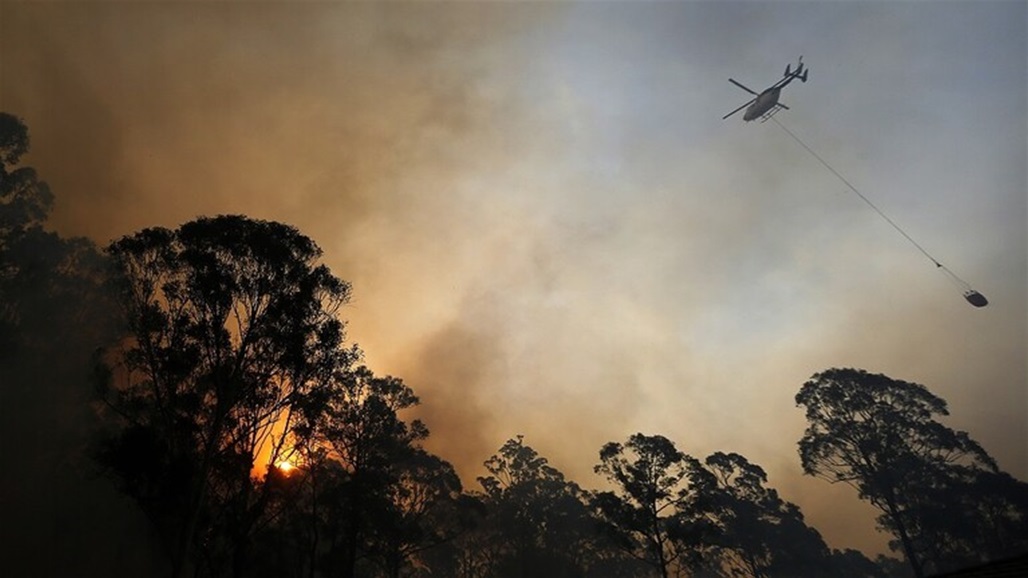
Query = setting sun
x=285 y=466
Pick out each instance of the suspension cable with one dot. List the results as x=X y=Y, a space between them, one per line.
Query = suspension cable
x=964 y=284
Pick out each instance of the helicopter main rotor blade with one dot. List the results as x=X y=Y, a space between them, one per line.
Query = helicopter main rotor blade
x=732 y=80
x=738 y=109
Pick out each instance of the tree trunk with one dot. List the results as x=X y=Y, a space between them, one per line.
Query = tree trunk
x=351 y=540
x=312 y=553
x=901 y=529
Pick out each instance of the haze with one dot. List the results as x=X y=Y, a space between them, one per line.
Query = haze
x=548 y=227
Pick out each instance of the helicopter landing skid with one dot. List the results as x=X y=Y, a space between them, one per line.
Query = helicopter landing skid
x=767 y=115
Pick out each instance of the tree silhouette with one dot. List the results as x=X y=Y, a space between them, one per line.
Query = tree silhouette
x=420 y=513
x=538 y=520
x=965 y=515
x=756 y=533
x=378 y=454
x=880 y=435
x=26 y=201
x=851 y=563
x=232 y=335
x=54 y=313
x=30 y=258
x=649 y=511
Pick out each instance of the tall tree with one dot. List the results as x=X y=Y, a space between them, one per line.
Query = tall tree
x=420 y=514
x=653 y=496
x=963 y=516
x=363 y=432
x=54 y=313
x=28 y=254
x=756 y=533
x=232 y=334
x=539 y=521
x=880 y=436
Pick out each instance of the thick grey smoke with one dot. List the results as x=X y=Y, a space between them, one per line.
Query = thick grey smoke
x=548 y=228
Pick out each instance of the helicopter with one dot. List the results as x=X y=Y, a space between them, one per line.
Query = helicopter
x=765 y=104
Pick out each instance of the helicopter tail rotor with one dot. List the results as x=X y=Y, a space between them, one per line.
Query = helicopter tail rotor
x=800 y=73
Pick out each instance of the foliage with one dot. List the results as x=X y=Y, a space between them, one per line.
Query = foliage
x=538 y=520
x=421 y=512
x=756 y=533
x=25 y=201
x=649 y=513
x=851 y=563
x=232 y=334
x=880 y=435
x=46 y=282
x=388 y=488
x=54 y=313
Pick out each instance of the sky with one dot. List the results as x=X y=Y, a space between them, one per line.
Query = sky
x=549 y=228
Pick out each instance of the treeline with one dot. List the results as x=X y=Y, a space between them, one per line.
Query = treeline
x=228 y=406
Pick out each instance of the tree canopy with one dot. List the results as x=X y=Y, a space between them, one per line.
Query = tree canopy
x=654 y=491
x=54 y=313
x=881 y=436
x=231 y=332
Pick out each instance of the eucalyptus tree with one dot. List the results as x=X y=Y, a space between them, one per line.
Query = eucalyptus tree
x=231 y=338
x=363 y=432
x=754 y=532
x=965 y=515
x=421 y=513
x=25 y=200
x=29 y=256
x=651 y=510
x=54 y=313
x=368 y=500
x=930 y=483
x=538 y=520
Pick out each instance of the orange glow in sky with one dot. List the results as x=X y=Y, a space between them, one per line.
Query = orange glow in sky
x=546 y=221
